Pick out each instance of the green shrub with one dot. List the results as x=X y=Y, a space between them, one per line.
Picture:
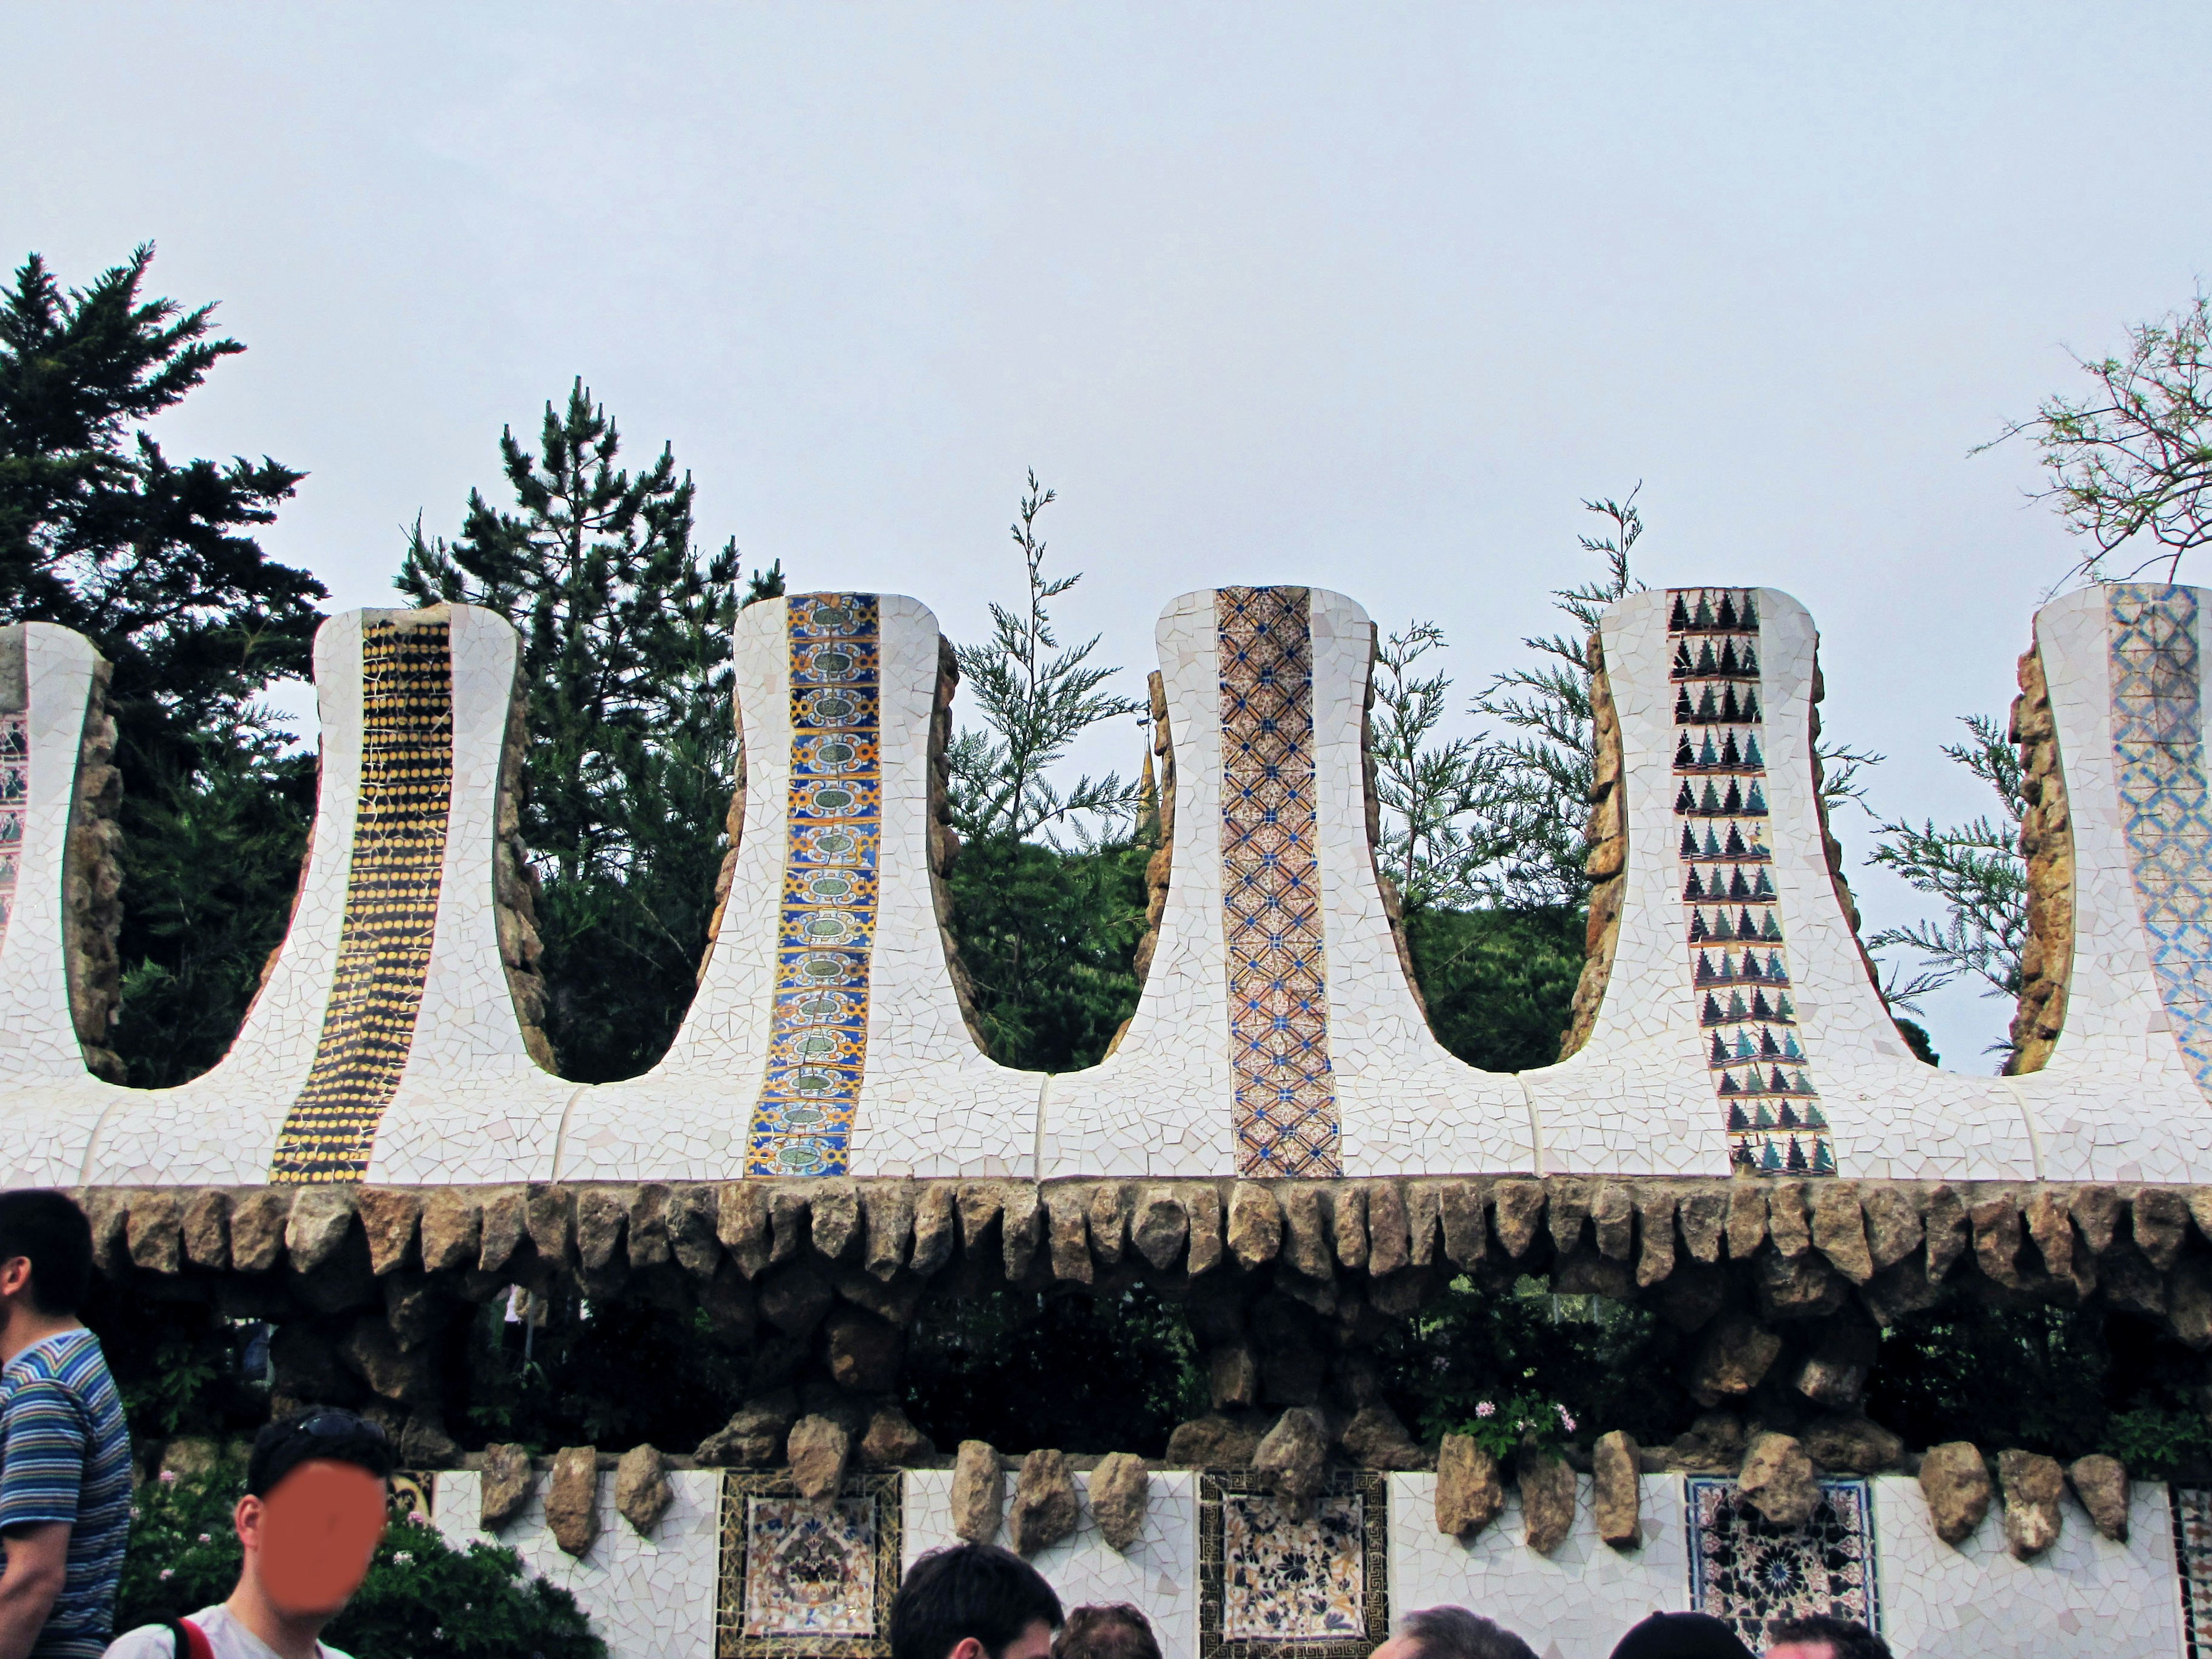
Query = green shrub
x=423 y=1599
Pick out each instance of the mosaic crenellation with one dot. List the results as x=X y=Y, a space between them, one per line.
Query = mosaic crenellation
x=1726 y=1022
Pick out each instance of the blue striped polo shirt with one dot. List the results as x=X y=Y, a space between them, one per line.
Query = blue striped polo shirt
x=65 y=1455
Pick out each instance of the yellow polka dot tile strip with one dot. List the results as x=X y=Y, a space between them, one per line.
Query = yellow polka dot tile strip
x=391 y=903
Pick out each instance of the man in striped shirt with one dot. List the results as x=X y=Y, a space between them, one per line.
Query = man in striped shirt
x=64 y=1448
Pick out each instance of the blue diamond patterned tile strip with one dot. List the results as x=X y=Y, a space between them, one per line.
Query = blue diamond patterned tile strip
x=2157 y=757
x=1286 y=1115
x=1739 y=963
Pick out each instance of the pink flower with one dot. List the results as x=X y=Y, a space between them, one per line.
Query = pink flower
x=168 y=1573
x=1485 y=1409
x=168 y=1477
x=1566 y=1420
x=204 y=1538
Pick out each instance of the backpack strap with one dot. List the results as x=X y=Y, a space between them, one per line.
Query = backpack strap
x=192 y=1642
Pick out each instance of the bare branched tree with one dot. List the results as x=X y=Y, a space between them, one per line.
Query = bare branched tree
x=2133 y=456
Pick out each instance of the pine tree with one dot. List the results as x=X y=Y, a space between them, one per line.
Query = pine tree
x=633 y=756
x=155 y=562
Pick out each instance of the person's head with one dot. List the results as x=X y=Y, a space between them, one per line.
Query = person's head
x=1452 y=1633
x=973 y=1602
x=313 y=1509
x=1681 y=1635
x=46 y=1252
x=1115 y=1631
x=1820 y=1636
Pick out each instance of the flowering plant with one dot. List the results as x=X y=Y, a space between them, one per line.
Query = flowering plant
x=1525 y=1421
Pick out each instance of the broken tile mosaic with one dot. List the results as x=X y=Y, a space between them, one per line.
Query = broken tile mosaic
x=802 y=1124
x=1745 y=1570
x=2192 y=1553
x=1271 y=1583
x=802 y=1576
x=15 y=800
x=1286 y=1115
x=2158 y=755
x=391 y=903
x=1740 y=963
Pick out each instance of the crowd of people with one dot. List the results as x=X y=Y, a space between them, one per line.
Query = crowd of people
x=315 y=1505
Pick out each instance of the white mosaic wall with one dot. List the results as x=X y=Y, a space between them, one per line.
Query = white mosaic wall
x=1165 y=1104
x=470 y=1104
x=650 y=1597
x=2117 y=1100
x=1365 y=1089
x=2087 y=1598
x=1159 y=1574
x=930 y=1104
x=1572 y=1604
x=1638 y=1099
x=56 y=1103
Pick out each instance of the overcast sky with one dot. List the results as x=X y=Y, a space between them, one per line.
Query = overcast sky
x=1366 y=297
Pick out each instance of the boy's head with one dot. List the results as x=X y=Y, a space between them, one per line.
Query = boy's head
x=46 y=1251
x=313 y=1509
x=1113 y=1631
x=974 y=1602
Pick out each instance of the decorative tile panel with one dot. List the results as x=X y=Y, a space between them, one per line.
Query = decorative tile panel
x=2192 y=1554
x=1271 y=1586
x=391 y=903
x=15 y=801
x=2158 y=757
x=1745 y=1570
x=802 y=1124
x=805 y=1577
x=1740 y=965
x=1286 y=1117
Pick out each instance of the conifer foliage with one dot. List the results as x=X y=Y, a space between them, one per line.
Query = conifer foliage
x=155 y=561
x=633 y=756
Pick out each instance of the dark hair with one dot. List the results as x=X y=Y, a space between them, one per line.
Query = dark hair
x=969 y=1590
x=1846 y=1638
x=325 y=1432
x=1115 y=1631
x=1456 y=1633
x=49 y=1232
x=1681 y=1635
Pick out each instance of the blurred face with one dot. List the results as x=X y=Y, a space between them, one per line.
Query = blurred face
x=1803 y=1651
x=311 y=1537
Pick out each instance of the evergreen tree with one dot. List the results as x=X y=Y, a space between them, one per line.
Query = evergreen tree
x=155 y=563
x=1048 y=931
x=633 y=754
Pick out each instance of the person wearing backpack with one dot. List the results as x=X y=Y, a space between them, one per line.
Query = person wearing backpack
x=314 y=1510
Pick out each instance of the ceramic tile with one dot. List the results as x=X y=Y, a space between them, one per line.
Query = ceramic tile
x=1286 y=1122
x=1734 y=931
x=392 y=904
x=818 y=1019
x=800 y=1577
x=1273 y=1584
x=1745 y=1570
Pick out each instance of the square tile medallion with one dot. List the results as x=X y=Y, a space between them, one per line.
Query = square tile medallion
x=1273 y=1585
x=1745 y=1570
x=2192 y=1553
x=805 y=1577
x=412 y=1496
